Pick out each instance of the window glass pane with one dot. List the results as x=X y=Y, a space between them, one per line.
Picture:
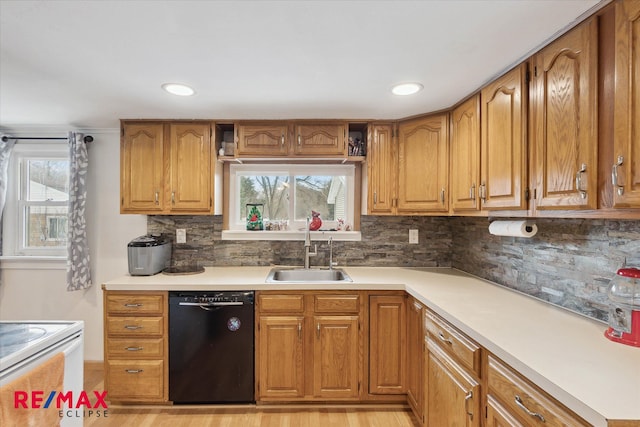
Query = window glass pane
x=323 y=194
x=45 y=226
x=47 y=180
x=270 y=190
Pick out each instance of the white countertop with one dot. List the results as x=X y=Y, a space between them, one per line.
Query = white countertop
x=564 y=353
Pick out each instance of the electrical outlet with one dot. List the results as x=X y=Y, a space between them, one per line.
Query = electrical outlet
x=181 y=235
x=413 y=237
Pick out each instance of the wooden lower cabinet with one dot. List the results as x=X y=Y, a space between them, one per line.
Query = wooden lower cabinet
x=336 y=358
x=514 y=398
x=136 y=346
x=387 y=344
x=281 y=357
x=415 y=357
x=452 y=395
x=309 y=345
x=499 y=416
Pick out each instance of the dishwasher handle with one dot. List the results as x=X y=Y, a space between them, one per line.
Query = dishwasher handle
x=212 y=304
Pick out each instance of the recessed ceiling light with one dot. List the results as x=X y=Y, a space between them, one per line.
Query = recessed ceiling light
x=178 y=89
x=406 y=88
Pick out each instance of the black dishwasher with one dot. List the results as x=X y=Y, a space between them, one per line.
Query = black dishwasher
x=211 y=351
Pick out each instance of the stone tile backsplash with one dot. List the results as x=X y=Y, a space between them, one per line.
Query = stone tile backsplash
x=384 y=243
x=568 y=263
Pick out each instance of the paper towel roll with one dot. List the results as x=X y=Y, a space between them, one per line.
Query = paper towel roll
x=513 y=228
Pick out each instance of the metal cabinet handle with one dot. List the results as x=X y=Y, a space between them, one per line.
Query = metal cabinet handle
x=133 y=305
x=467 y=398
x=299 y=139
x=173 y=197
x=444 y=339
x=133 y=348
x=134 y=371
x=442 y=194
x=472 y=192
x=132 y=327
x=520 y=404
x=299 y=330
x=318 y=330
x=614 y=176
x=375 y=197
x=157 y=197
x=483 y=192
x=583 y=169
x=282 y=140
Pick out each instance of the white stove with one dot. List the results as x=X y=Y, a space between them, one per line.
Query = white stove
x=25 y=345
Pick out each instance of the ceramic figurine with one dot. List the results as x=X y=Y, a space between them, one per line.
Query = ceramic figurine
x=316 y=221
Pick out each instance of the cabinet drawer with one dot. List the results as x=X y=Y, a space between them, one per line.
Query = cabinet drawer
x=136 y=379
x=462 y=348
x=135 y=347
x=336 y=303
x=281 y=303
x=526 y=400
x=135 y=326
x=135 y=304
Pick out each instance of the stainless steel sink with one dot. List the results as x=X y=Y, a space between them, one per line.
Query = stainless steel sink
x=306 y=275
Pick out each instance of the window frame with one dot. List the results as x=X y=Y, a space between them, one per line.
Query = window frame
x=233 y=230
x=13 y=222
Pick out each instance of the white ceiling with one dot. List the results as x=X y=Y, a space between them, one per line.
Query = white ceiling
x=87 y=64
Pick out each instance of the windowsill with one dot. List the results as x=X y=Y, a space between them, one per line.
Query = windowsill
x=11 y=262
x=352 y=236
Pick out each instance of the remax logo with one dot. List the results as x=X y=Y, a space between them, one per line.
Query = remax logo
x=35 y=399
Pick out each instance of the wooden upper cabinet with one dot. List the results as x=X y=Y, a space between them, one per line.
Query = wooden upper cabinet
x=320 y=139
x=142 y=168
x=465 y=156
x=166 y=168
x=281 y=139
x=563 y=106
x=262 y=139
x=191 y=175
x=626 y=161
x=503 y=142
x=381 y=169
x=423 y=160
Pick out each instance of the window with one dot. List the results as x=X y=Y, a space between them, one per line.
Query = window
x=35 y=217
x=287 y=194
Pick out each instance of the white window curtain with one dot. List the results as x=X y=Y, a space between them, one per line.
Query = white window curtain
x=5 y=153
x=78 y=270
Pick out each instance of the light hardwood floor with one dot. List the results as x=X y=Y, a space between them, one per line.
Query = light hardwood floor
x=244 y=415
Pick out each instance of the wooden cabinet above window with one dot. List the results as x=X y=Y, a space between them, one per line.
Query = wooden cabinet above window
x=291 y=139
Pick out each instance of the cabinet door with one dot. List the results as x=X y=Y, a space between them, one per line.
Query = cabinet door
x=415 y=359
x=626 y=161
x=387 y=337
x=423 y=165
x=499 y=416
x=336 y=364
x=565 y=120
x=281 y=357
x=191 y=175
x=142 y=168
x=320 y=139
x=262 y=139
x=503 y=167
x=381 y=168
x=465 y=156
x=453 y=396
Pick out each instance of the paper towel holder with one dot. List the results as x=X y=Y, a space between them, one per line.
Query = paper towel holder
x=517 y=228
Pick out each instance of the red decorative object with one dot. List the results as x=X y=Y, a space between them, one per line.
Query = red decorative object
x=316 y=221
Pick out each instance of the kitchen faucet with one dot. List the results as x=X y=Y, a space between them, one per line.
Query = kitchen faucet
x=307 y=246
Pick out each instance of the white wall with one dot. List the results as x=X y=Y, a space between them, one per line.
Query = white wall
x=38 y=291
